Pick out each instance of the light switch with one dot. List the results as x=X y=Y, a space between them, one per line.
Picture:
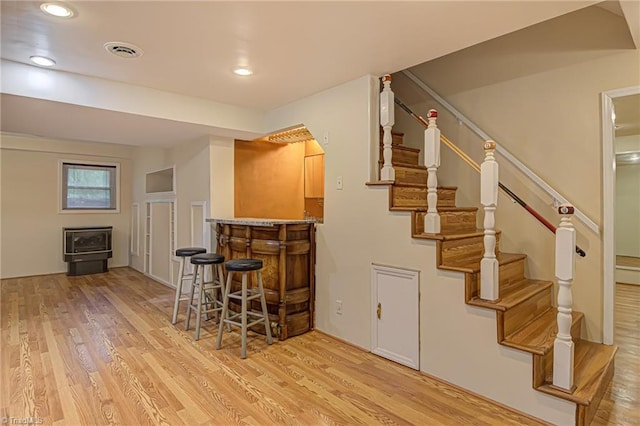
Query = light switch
x=339 y=182
x=325 y=138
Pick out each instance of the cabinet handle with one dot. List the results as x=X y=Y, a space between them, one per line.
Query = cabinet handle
x=379 y=310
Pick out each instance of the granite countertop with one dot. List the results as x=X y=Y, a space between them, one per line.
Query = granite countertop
x=259 y=221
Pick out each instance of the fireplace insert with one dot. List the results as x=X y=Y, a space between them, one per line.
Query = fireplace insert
x=87 y=249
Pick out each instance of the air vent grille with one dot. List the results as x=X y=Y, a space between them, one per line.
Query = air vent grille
x=123 y=50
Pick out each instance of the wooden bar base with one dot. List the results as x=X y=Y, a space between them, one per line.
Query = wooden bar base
x=287 y=250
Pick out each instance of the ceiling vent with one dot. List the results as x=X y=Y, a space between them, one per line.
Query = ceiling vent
x=123 y=50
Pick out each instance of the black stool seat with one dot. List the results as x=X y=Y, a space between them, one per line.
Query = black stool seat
x=206 y=259
x=189 y=251
x=241 y=265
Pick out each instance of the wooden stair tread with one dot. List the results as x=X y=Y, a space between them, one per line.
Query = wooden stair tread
x=440 y=210
x=424 y=185
x=473 y=266
x=450 y=236
x=513 y=295
x=538 y=335
x=593 y=362
x=380 y=183
x=449 y=209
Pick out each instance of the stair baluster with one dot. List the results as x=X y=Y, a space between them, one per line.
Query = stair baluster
x=489 y=199
x=432 y=162
x=387 y=119
x=563 y=347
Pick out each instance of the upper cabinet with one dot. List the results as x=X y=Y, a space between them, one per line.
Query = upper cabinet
x=314 y=176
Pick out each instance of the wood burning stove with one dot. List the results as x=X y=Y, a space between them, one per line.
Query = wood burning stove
x=87 y=249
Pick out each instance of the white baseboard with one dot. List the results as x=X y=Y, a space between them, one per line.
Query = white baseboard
x=628 y=275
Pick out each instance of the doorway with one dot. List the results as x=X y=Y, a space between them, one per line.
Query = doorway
x=609 y=200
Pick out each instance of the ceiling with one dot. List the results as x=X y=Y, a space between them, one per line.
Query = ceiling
x=189 y=49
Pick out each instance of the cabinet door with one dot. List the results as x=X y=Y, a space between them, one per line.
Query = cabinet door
x=314 y=176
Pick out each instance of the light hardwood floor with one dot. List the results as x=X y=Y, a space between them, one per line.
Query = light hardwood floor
x=100 y=349
x=621 y=404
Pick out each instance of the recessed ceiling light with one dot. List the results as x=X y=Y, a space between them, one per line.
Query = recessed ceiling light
x=43 y=61
x=242 y=71
x=57 y=9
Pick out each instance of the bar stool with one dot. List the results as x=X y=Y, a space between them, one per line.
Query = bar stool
x=183 y=254
x=245 y=295
x=201 y=304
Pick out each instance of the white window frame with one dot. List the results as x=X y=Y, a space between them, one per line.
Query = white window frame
x=61 y=191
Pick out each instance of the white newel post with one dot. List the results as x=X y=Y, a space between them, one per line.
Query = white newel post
x=489 y=199
x=432 y=162
x=387 y=119
x=565 y=269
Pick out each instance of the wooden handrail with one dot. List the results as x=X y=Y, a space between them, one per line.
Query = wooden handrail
x=476 y=167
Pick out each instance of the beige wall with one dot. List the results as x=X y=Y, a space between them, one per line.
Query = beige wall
x=221 y=166
x=537 y=93
x=269 y=180
x=31 y=226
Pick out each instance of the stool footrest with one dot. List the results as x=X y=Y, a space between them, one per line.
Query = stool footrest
x=239 y=296
x=239 y=324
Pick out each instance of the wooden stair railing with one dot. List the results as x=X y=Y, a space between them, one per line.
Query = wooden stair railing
x=526 y=318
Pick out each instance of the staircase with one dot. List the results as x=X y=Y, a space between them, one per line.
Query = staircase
x=525 y=313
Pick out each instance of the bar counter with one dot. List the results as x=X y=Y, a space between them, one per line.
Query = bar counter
x=287 y=250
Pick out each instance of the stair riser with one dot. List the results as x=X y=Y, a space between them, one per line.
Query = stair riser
x=470 y=248
x=507 y=275
x=511 y=274
x=509 y=321
x=401 y=155
x=455 y=221
x=406 y=196
x=410 y=175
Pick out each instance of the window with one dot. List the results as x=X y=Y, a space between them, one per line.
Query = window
x=89 y=186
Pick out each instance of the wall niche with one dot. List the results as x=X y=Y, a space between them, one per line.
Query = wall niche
x=160 y=181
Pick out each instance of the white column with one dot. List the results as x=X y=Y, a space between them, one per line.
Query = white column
x=489 y=199
x=565 y=268
x=432 y=162
x=387 y=119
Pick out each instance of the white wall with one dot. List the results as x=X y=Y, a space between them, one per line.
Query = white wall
x=31 y=225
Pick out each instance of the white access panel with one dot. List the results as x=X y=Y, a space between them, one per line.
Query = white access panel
x=395 y=333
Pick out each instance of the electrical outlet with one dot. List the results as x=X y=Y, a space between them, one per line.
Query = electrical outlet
x=339 y=307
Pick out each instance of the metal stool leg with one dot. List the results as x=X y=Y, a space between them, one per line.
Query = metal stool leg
x=176 y=302
x=194 y=282
x=243 y=316
x=202 y=303
x=263 y=301
x=225 y=310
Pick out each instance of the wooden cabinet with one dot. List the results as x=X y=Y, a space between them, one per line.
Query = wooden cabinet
x=314 y=176
x=287 y=251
